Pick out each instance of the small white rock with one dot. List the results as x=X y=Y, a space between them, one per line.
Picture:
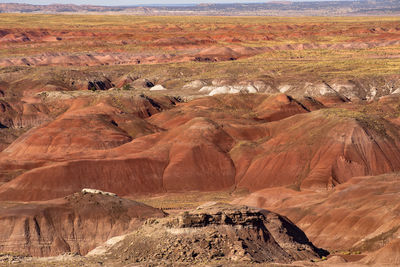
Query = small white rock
x=158 y=87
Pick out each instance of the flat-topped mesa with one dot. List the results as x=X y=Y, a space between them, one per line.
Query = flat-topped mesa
x=96 y=191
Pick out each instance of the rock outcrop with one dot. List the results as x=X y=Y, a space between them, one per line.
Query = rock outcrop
x=96 y=191
x=217 y=233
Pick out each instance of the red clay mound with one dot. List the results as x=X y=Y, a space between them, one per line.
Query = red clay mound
x=389 y=255
x=189 y=157
x=77 y=223
x=279 y=107
x=318 y=150
x=124 y=176
x=83 y=128
x=359 y=215
x=251 y=109
x=198 y=156
x=70 y=134
x=221 y=53
x=15 y=114
x=182 y=41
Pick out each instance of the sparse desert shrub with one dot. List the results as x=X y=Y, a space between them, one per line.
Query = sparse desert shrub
x=126 y=87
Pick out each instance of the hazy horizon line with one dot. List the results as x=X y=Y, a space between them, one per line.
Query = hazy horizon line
x=155 y=3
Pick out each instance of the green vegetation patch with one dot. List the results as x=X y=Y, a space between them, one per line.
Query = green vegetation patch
x=372 y=122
